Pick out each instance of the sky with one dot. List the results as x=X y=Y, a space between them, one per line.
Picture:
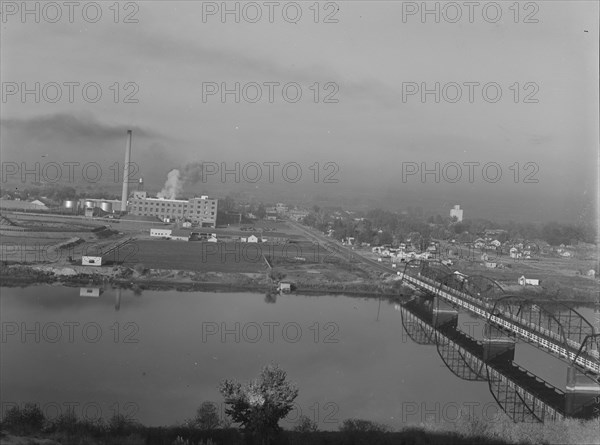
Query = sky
x=361 y=133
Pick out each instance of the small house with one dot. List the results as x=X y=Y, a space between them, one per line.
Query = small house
x=528 y=281
x=91 y=260
x=180 y=235
x=491 y=265
x=284 y=287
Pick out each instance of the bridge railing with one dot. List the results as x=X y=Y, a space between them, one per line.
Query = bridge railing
x=520 y=322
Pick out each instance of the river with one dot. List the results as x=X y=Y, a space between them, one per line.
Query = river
x=156 y=356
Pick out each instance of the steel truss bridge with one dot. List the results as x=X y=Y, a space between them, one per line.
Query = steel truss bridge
x=553 y=327
x=523 y=396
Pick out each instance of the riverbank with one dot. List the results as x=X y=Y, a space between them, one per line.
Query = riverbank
x=20 y=275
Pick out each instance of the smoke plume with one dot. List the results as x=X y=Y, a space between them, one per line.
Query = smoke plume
x=172 y=185
x=177 y=179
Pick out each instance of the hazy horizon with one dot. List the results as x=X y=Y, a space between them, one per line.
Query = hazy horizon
x=368 y=61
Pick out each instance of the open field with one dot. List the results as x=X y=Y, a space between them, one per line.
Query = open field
x=558 y=281
x=560 y=277
x=191 y=255
x=51 y=222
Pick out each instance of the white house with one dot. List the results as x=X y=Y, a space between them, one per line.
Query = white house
x=495 y=243
x=91 y=261
x=460 y=276
x=528 y=281
x=40 y=204
x=348 y=241
x=284 y=287
x=160 y=232
x=249 y=239
x=514 y=252
x=180 y=235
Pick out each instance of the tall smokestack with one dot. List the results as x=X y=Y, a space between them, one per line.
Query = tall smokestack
x=125 y=193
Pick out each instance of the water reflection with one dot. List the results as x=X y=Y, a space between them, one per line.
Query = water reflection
x=271 y=298
x=93 y=292
x=523 y=396
x=345 y=352
x=117 y=299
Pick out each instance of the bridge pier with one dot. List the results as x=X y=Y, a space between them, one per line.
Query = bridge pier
x=497 y=345
x=582 y=395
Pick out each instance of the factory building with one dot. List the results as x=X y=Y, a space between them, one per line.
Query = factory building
x=202 y=210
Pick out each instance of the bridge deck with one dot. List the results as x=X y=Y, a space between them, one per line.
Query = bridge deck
x=542 y=337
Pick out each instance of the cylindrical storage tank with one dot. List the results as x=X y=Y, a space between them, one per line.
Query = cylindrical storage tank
x=89 y=204
x=69 y=204
x=106 y=206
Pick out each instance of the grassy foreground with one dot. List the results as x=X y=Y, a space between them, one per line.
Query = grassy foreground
x=29 y=428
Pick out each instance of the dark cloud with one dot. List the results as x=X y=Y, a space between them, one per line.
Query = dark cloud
x=63 y=126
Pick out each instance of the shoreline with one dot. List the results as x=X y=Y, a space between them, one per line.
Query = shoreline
x=26 y=275
x=20 y=275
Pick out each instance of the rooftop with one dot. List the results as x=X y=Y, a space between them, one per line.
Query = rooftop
x=174 y=200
